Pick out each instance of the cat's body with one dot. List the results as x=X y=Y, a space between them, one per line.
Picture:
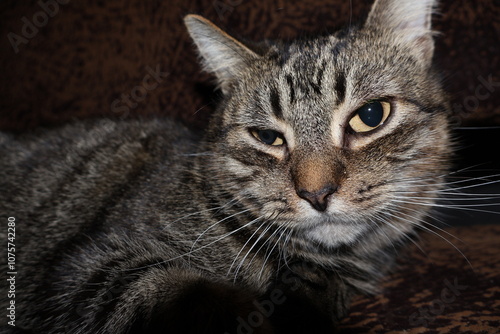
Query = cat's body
x=292 y=202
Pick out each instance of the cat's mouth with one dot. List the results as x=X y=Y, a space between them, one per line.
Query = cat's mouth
x=335 y=234
x=330 y=228
x=337 y=212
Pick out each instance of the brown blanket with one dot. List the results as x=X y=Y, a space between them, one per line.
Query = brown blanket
x=438 y=288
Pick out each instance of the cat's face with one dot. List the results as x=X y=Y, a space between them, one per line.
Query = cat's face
x=333 y=137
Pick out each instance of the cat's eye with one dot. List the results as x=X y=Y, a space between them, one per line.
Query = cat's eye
x=370 y=116
x=268 y=137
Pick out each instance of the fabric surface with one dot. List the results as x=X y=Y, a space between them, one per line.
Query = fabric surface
x=91 y=59
x=437 y=288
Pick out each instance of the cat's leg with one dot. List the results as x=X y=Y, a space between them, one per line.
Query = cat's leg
x=198 y=305
x=314 y=300
x=175 y=301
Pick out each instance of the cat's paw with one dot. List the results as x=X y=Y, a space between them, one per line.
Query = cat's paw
x=310 y=296
x=206 y=308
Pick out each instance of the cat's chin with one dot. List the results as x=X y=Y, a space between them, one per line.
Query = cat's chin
x=330 y=233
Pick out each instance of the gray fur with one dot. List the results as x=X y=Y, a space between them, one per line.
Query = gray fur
x=133 y=226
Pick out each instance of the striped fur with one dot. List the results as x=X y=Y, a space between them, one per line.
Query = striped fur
x=141 y=227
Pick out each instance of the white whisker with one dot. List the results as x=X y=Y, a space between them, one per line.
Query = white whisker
x=215 y=224
x=421 y=226
x=272 y=249
x=243 y=247
x=250 y=250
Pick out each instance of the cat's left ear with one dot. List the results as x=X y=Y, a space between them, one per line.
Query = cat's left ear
x=408 y=21
x=221 y=54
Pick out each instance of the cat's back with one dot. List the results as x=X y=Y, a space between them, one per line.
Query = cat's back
x=71 y=172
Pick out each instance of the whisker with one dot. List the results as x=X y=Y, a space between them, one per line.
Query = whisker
x=375 y=220
x=405 y=235
x=421 y=226
x=270 y=220
x=272 y=249
x=240 y=265
x=192 y=251
x=465 y=207
x=243 y=247
x=215 y=224
x=286 y=246
x=451 y=198
x=231 y=202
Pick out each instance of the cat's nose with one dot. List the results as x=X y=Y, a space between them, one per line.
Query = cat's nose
x=318 y=199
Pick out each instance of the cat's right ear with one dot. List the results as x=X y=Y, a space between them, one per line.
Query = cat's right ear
x=409 y=23
x=221 y=54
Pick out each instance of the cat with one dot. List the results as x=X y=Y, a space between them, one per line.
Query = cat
x=320 y=163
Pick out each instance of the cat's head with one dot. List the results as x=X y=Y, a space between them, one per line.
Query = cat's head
x=333 y=137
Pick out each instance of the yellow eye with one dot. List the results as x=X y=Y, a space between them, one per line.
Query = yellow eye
x=370 y=116
x=269 y=137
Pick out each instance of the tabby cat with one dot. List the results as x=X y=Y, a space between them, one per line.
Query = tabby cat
x=310 y=177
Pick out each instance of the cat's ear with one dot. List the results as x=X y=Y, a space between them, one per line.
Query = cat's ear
x=221 y=54
x=409 y=22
